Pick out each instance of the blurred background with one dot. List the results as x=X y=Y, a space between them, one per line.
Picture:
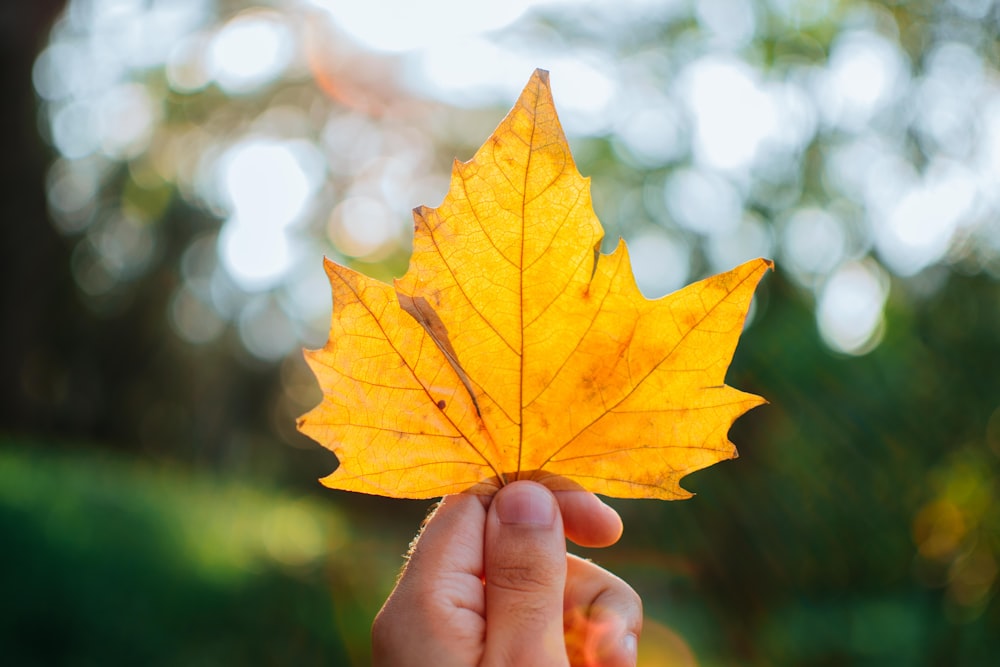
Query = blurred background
x=174 y=171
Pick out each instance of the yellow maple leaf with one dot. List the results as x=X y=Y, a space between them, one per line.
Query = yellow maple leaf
x=511 y=349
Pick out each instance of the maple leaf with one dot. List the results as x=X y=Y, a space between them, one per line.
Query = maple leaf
x=512 y=349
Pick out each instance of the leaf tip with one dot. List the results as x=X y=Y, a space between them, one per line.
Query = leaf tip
x=330 y=267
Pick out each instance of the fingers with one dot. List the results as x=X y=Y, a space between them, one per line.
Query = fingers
x=587 y=520
x=603 y=617
x=511 y=548
x=451 y=539
x=437 y=605
x=525 y=573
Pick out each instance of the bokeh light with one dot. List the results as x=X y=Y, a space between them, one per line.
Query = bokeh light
x=417 y=26
x=732 y=115
x=850 y=307
x=266 y=186
x=303 y=173
x=661 y=263
x=249 y=51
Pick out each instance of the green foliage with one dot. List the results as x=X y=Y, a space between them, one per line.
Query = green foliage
x=108 y=562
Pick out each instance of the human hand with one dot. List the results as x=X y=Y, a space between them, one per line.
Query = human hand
x=489 y=584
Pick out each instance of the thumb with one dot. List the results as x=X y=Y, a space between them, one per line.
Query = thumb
x=525 y=571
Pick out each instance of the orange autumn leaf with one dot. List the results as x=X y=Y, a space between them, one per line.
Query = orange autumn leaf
x=511 y=349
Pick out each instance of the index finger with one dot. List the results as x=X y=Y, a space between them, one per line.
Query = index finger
x=450 y=540
x=587 y=520
x=442 y=579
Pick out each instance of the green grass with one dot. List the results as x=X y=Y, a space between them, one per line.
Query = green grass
x=108 y=561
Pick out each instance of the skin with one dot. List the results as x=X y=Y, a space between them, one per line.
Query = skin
x=489 y=584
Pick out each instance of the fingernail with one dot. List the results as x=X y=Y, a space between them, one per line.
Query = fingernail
x=526 y=505
x=631 y=645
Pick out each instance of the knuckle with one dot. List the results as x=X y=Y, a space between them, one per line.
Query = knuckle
x=521 y=578
x=634 y=600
